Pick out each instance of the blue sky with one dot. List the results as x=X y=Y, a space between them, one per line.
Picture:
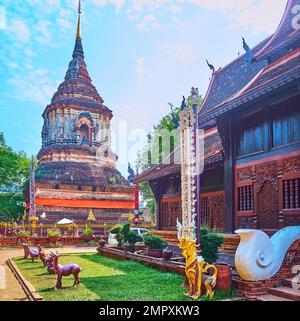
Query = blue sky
x=140 y=54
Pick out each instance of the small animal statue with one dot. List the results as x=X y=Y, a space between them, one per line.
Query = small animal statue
x=196 y=271
x=33 y=253
x=42 y=255
x=65 y=270
x=49 y=263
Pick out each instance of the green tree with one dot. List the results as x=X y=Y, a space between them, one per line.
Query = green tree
x=14 y=175
x=161 y=142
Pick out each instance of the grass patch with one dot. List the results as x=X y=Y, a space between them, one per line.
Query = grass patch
x=105 y=279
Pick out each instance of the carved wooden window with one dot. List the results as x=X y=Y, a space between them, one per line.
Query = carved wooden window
x=286 y=130
x=291 y=193
x=170 y=212
x=245 y=198
x=205 y=211
x=165 y=215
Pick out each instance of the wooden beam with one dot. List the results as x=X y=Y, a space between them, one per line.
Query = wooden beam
x=229 y=177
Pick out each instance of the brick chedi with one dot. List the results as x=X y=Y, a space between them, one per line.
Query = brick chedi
x=77 y=168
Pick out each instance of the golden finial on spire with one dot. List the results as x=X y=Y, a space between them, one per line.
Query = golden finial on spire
x=79 y=16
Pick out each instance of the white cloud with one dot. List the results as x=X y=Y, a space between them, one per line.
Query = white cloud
x=186 y=54
x=117 y=3
x=148 y=22
x=44 y=35
x=140 y=67
x=2 y=17
x=180 y=22
x=261 y=15
x=36 y=86
x=20 y=30
x=175 y=9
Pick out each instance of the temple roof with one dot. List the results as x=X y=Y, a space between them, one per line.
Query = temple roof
x=274 y=65
x=213 y=152
x=77 y=89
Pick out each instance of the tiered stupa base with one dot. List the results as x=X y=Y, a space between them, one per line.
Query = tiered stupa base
x=71 y=190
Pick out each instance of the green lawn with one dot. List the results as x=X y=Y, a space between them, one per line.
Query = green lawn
x=105 y=279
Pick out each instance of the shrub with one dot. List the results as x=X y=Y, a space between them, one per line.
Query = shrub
x=54 y=233
x=88 y=232
x=133 y=238
x=123 y=233
x=204 y=230
x=23 y=233
x=154 y=242
x=210 y=244
x=116 y=229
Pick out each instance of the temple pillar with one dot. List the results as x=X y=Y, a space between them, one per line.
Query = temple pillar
x=52 y=115
x=108 y=134
x=71 y=126
x=228 y=176
x=66 y=125
x=98 y=125
x=56 y=134
x=101 y=129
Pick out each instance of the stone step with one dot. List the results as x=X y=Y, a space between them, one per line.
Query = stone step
x=270 y=297
x=286 y=292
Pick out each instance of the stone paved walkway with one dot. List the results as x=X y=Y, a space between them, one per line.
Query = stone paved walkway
x=10 y=289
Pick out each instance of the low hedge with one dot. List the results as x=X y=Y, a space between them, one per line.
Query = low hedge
x=54 y=233
x=210 y=243
x=154 y=242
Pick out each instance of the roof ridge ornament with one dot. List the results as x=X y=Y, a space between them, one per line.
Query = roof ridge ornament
x=211 y=67
x=249 y=54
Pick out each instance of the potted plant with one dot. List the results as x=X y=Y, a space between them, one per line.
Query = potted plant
x=155 y=245
x=23 y=235
x=131 y=239
x=87 y=234
x=54 y=235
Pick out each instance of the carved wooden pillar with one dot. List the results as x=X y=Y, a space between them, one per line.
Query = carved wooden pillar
x=225 y=130
x=157 y=194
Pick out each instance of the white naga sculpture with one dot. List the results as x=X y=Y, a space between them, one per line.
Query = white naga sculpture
x=259 y=257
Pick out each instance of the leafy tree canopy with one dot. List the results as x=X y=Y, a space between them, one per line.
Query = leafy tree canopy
x=160 y=143
x=14 y=174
